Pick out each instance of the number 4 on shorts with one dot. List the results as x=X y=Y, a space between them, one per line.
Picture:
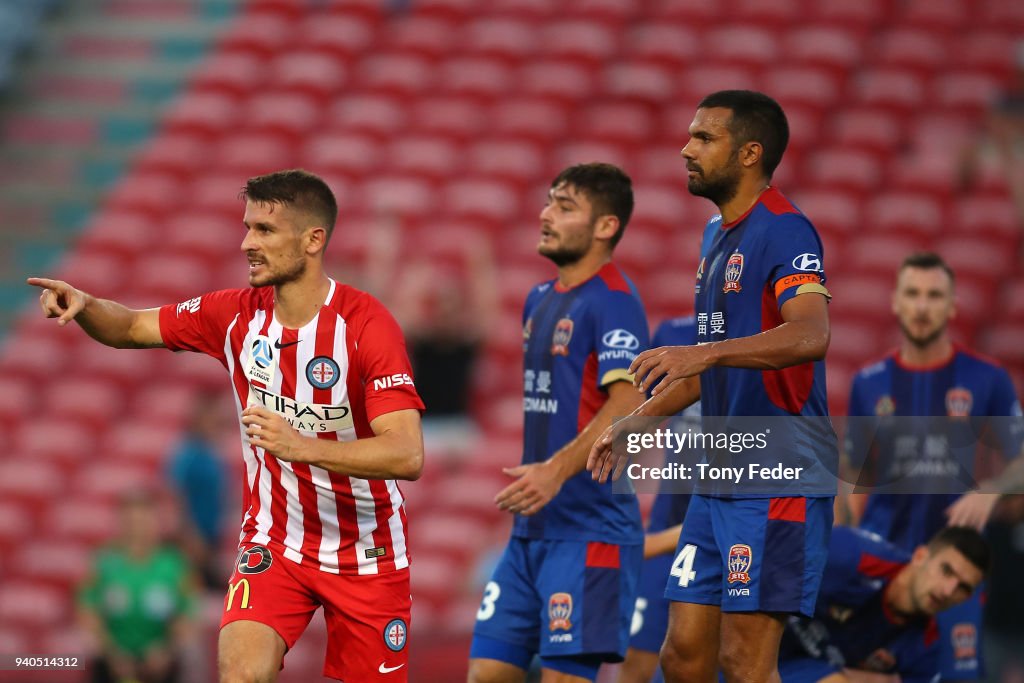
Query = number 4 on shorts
x=682 y=567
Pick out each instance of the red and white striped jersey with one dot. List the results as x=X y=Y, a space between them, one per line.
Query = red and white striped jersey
x=329 y=379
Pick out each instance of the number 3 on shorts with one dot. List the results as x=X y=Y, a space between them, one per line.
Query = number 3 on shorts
x=682 y=566
x=491 y=594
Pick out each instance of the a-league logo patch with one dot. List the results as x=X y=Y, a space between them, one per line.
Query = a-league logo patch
x=965 y=641
x=395 y=634
x=322 y=372
x=261 y=366
x=559 y=612
x=733 y=273
x=561 y=338
x=959 y=402
x=254 y=560
x=740 y=559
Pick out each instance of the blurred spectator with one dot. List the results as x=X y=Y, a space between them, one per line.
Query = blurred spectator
x=1004 y=628
x=198 y=472
x=447 y=312
x=137 y=603
x=1003 y=140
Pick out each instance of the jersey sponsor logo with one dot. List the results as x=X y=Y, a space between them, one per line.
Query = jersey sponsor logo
x=307 y=417
x=535 y=404
x=885 y=406
x=740 y=559
x=617 y=354
x=559 y=612
x=396 y=380
x=261 y=365
x=278 y=345
x=808 y=262
x=733 y=273
x=395 y=634
x=384 y=669
x=192 y=306
x=739 y=592
x=620 y=339
x=233 y=588
x=964 y=638
x=561 y=338
x=254 y=560
x=959 y=402
x=322 y=372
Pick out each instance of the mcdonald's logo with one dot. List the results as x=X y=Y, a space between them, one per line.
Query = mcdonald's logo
x=232 y=589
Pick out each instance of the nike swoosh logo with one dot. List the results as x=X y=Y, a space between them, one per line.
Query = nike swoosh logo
x=279 y=345
x=388 y=669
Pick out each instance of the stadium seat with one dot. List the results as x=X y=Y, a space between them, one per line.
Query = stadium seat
x=260 y=33
x=395 y=73
x=578 y=39
x=588 y=151
x=401 y=194
x=863 y=15
x=1004 y=342
x=875 y=129
x=346 y=36
x=340 y=152
x=643 y=81
x=689 y=11
x=836 y=47
x=488 y=200
x=746 y=45
x=459 y=118
x=902 y=212
x=537 y=118
x=911 y=48
x=980 y=214
x=281 y=113
x=231 y=73
x=90 y=521
x=831 y=211
x=421 y=34
x=564 y=80
x=203 y=113
x=936 y=15
x=320 y=75
x=506 y=159
x=990 y=50
x=503 y=37
x=247 y=154
x=616 y=122
x=480 y=77
x=671 y=44
x=970 y=92
x=697 y=81
x=431 y=157
x=806 y=86
x=977 y=255
x=880 y=254
x=850 y=169
x=900 y=90
x=26 y=601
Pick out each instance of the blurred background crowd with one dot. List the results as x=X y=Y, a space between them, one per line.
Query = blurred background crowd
x=128 y=127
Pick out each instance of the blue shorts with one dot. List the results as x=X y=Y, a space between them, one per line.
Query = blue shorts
x=752 y=554
x=960 y=656
x=558 y=599
x=650 y=616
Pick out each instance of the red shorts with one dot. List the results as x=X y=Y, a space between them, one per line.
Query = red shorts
x=367 y=615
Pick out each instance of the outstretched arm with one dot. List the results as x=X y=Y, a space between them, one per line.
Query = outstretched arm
x=108 y=322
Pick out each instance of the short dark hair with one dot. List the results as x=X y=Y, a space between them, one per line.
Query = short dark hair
x=927 y=260
x=755 y=117
x=608 y=187
x=300 y=189
x=968 y=541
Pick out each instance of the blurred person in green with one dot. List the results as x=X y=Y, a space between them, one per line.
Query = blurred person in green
x=137 y=603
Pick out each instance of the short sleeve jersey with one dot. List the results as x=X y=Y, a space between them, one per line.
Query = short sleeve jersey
x=576 y=342
x=851 y=625
x=329 y=379
x=964 y=385
x=749 y=269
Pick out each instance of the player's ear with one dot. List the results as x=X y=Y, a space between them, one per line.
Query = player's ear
x=750 y=153
x=607 y=226
x=315 y=240
x=921 y=554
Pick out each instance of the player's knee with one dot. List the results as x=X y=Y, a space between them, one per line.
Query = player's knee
x=681 y=662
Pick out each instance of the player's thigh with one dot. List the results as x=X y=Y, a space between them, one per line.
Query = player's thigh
x=692 y=639
x=267 y=597
x=508 y=622
x=249 y=652
x=588 y=593
x=773 y=552
x=368 y=624
x=749 y=648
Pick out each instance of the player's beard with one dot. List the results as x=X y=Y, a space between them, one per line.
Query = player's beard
x=925 y=340
x=719 y=187
x=293 y=271
x=568 y=253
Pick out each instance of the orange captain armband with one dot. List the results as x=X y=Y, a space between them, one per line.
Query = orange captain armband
x=804 y=282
